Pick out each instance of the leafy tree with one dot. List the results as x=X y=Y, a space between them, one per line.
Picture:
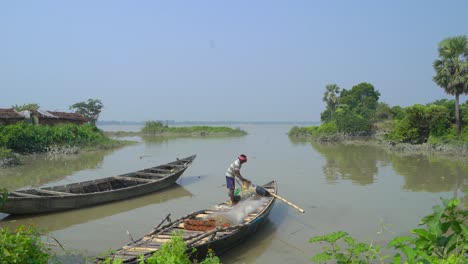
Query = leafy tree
x=25 y=107
x=351 y=123
x=325 y=116
x=331 y=97
x=361 y=99
x=452 y=70
x=398 y=112
x=383 y=111
x=90 y=109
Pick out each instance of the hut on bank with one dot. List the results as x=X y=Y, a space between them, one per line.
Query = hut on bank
x=51 y=118
x=40 y=117
x=10 y=116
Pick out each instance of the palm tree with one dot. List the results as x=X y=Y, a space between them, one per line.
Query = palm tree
x=452 y=70
x=331 y=98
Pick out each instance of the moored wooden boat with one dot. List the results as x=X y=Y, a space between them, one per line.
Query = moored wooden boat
x=89 y=193
x=204 y=229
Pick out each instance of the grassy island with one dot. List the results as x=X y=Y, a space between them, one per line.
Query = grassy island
x=156 y=128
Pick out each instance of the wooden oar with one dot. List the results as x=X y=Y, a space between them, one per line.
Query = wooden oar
x=261 y=191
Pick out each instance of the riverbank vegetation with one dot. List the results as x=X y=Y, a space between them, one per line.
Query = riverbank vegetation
x=27 y=138
x=158 y=129
x=440 y=125
x=25 y=246
x=24 y=138
x=444 y=240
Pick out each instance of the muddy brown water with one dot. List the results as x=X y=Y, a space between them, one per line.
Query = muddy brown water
x=372 y=194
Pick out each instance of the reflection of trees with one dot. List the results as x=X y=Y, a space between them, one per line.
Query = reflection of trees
x=40 y=169
x=431 y=174
x=156 y=139
x=357 y=163
x=299 y=141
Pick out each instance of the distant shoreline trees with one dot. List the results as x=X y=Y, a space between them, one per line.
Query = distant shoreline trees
x=358 y=112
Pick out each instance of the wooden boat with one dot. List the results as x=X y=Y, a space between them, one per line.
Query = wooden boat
x=88 y=193
x=202 y=230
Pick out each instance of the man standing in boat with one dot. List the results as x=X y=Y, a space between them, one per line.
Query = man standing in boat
x=232 y=172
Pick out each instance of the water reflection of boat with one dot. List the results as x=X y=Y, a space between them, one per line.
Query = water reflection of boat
x=60 y=220
x=88 y=193
x=212 y=228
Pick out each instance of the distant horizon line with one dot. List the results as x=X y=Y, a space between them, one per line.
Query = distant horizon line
x=126 y=122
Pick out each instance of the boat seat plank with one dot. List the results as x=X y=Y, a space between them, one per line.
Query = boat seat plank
x=139 y=249
x=156 y=239
x=176 y=165
x=161 y=170
x=149 y=174
x=164 y=236
x=25 y=194
x=52 y=192
x=134 y=179
x=129 y=254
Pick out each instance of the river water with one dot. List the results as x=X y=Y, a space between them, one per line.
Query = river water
x=367 y=191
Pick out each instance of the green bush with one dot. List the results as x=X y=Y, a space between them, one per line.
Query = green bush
x=421 y=122
x=5 y=153
x=404 y=132
x=153 y=127
x=398 y=112
x=28 y=138
x=327 y=128
x=23 y=246
x=444 y=241
x=351 y=123
x=302 y=131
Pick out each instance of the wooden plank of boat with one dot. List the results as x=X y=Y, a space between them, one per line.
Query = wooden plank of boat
x=139 y=249
x=149 y=174
x=134 y=179
x=47 y=191
x=25 y=194
x=161 y=170
x=175 y=165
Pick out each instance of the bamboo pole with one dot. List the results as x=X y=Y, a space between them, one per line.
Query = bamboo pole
x=287 y=202
x=281 y=198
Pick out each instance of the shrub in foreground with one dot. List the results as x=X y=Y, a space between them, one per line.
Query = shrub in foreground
x=444 y=241
x=23 y=246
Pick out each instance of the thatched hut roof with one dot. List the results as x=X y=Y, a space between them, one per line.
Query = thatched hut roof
x=69 y=116
x=9 y=113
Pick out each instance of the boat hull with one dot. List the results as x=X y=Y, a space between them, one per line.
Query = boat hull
x=203 y=230
x=67 y=200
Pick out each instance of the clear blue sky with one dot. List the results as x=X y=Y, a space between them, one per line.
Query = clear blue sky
x=220 y=60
